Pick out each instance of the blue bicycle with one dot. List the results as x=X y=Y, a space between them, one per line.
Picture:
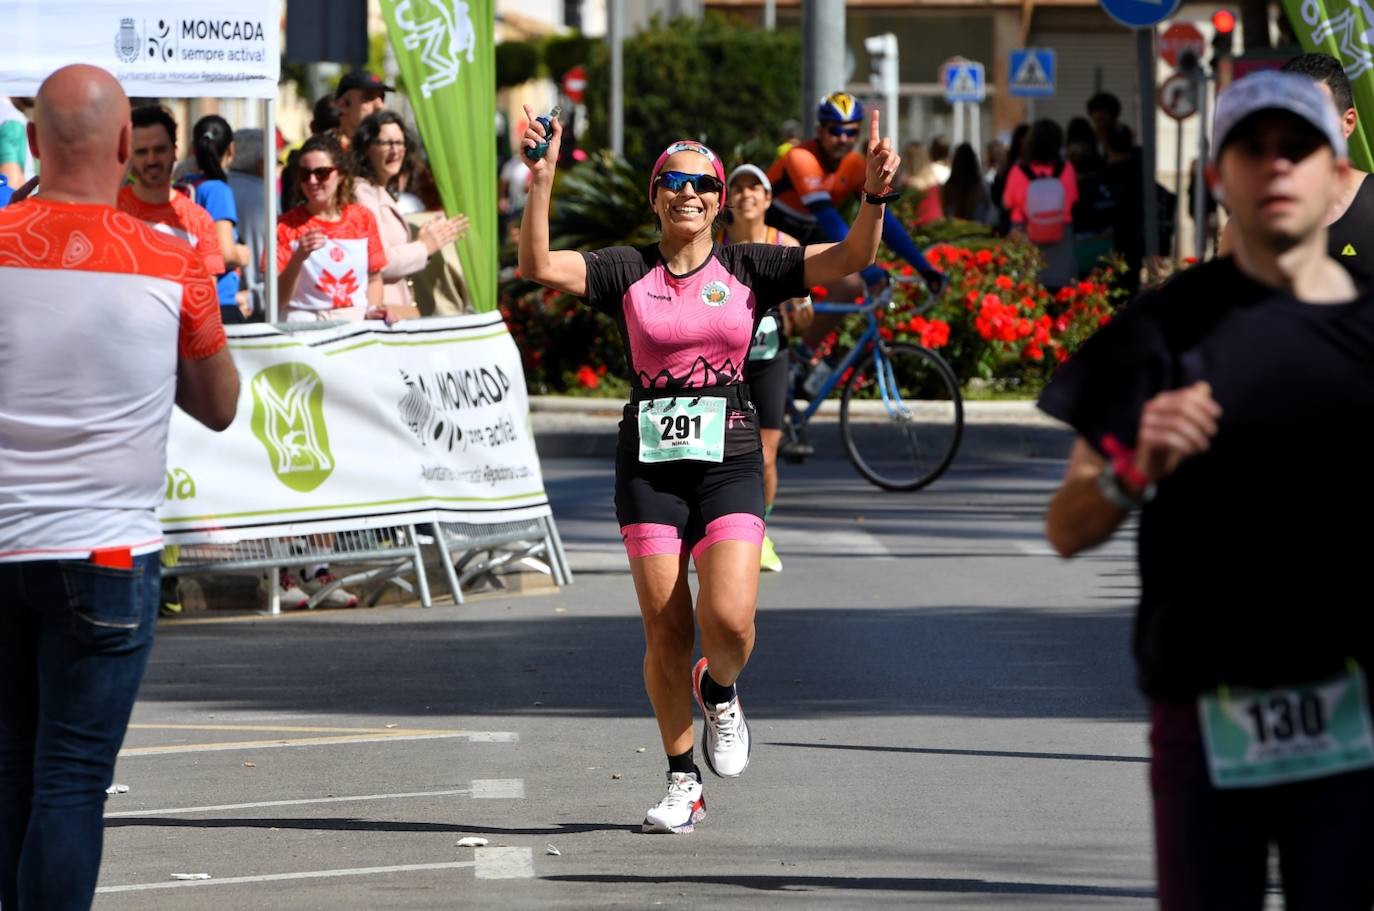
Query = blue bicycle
x=901 y=411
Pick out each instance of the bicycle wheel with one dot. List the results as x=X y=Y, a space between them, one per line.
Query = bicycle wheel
x=901 y=417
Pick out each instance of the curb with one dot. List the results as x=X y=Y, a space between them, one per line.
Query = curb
x=566 y=428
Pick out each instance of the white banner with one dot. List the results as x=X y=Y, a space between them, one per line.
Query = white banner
x=156 y=48
x=360 y=426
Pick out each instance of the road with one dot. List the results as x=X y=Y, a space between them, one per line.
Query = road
x=944 y=716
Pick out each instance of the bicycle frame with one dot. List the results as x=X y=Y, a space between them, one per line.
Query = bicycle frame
x=868 y=342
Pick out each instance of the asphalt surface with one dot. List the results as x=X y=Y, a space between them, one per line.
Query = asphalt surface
x=943 y=713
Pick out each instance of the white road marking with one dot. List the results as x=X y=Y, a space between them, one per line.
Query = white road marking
x=498 y=788
x=1035 y=549
x=279 y=877
x=504 y=863
x=171 y=811
x=852 y=542
x=470 y=736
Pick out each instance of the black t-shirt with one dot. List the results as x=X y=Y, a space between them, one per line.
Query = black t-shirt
x=1253 y=556
x=692 y=331
x=1351 y=237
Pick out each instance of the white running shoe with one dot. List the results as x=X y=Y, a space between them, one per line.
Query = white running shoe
x=292 y=598
x=680 y=809
x=339 y=597
x=725 y=734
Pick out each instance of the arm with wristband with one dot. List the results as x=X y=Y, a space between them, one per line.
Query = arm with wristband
x=894 y=235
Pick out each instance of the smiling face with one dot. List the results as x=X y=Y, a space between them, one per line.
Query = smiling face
x=319 y=194
x=154 y=154
x=387 y=153
x=686 y=213
x=1280 y=178
x=748 y=199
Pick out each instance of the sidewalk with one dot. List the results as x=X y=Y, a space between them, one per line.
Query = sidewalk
x=566 y=427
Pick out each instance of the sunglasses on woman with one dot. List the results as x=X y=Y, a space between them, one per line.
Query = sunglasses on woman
x=319 y=175
x=702 y=183
x=847 y=132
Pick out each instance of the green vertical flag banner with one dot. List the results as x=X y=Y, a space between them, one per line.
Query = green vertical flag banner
x=446 y=52
x=1342 y=30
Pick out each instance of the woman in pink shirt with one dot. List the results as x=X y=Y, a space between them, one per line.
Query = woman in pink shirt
x=1040 y=194
x=381 y=147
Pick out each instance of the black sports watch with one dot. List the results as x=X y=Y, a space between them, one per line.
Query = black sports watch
x=880 y=200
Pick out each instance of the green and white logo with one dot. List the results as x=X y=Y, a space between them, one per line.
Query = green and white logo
x=288 y=417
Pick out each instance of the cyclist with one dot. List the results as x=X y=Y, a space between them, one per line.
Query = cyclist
x=1228 y=406
x=766 y=370
x=688 y=469
x=813 y=180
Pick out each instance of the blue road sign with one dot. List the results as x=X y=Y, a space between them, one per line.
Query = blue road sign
x=1032 y=73
x=1140 y=13
x=965 y=81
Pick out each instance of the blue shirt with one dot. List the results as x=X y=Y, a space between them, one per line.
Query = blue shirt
x=215 y=197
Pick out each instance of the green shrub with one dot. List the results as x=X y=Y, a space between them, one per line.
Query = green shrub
x=713 y=80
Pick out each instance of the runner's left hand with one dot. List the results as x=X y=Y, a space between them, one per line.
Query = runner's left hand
x=882 y=160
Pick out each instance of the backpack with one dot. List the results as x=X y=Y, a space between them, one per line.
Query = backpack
x=1045 y=206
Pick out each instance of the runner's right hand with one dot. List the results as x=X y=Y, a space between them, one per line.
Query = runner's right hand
x=534 y=134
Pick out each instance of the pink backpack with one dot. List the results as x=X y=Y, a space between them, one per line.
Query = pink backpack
x=1045 y=220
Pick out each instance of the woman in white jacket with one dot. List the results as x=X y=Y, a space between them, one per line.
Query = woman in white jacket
x=380 y=149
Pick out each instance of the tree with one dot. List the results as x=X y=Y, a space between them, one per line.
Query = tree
x=719 y=81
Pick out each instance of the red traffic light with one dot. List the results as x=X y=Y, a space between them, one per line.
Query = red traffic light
x=1224 y=21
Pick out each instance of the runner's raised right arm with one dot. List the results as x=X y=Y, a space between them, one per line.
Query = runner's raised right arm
x=562 y=270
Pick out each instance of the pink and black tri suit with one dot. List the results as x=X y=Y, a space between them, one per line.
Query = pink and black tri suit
x=691 y=334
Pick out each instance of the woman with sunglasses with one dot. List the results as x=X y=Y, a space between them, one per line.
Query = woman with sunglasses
x=766 y=371
x=380 y=149
x=329 y=254
x=688 y=469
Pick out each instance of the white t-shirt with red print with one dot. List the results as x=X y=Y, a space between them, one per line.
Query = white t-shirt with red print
x=98 y=306
x=333 y=281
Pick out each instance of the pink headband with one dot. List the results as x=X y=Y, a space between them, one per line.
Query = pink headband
x=688 y=145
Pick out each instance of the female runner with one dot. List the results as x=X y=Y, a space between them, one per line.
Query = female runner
x=688 y=468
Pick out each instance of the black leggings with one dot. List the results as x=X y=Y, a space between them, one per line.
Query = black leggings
x=1212 y=845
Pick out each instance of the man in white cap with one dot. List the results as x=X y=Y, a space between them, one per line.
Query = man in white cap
x=1230 y=407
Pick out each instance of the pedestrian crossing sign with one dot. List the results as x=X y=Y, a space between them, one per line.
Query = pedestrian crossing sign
x=1032 y=73
x=964 y=80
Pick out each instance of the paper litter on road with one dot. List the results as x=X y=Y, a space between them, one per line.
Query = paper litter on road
x=190 y=876
x=552 y=851
x=471 y=842
x=639 y=749
x=117 y=789
x=616 y=776
x=250 y=765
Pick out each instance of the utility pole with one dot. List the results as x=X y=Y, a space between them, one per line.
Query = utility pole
x=616 y=34
x=822 y=54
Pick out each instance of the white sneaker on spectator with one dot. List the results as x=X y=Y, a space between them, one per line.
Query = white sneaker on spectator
x=338 y=597
x=292 y=598
x=680 y=809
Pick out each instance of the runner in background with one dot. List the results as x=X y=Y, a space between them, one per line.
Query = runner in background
x=1230 y=408
x=688 y=469
x=766 y=373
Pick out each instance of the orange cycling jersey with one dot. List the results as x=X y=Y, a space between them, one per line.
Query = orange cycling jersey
x=801 y=179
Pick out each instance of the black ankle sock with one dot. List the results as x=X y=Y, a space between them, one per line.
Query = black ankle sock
x=713 y=693
x=683 y=763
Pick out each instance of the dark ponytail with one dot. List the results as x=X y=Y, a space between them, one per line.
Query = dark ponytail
x=211 y=138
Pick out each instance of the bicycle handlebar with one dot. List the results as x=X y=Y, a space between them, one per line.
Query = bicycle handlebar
x=882 y=298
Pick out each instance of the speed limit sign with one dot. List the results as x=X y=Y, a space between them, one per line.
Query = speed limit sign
x=1177 y=96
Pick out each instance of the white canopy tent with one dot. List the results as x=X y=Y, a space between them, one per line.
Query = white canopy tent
x=159 y=49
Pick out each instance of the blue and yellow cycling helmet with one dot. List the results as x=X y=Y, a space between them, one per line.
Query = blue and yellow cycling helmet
x=840 y=107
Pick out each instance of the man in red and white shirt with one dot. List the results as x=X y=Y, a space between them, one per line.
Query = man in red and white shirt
x=151 y=196
x=104 y=323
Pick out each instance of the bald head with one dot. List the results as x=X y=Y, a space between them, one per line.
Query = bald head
x=81 y=134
